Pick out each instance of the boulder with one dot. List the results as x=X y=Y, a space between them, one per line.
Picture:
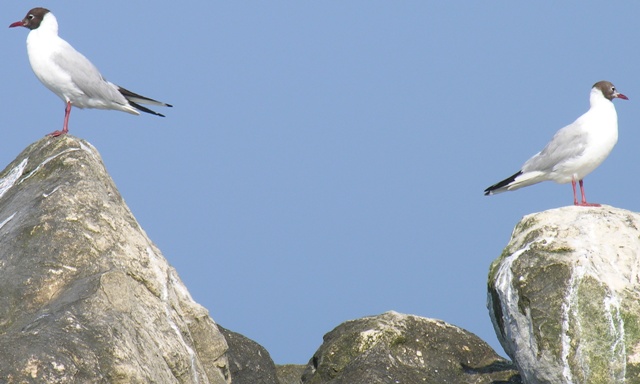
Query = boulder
x=249 y=362
x=86 y=296
x=564 y=296
x=398 y=348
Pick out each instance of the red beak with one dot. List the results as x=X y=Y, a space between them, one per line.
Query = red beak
x=621 y=96
x=17 y=24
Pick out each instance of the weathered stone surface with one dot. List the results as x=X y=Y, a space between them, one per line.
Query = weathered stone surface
x=249 y=362
x=397 y=348
x=86 y=296
x=564 y=296
x=290 y=373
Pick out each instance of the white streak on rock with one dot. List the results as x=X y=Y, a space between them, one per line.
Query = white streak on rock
x=508 y=294
x=89 y=149
x=618 y=348
x=7 y=219
x=44 y=194
x=48 y=159
x=11 y=178
x=567 y=308
x=165 y=277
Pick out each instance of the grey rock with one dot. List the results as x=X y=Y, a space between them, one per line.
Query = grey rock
x=249 y=362
x=290 y=373
x=564 y=296
x=86 y=296
x=397 y=348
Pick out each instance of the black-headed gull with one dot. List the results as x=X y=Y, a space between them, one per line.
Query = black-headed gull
x=70 y=75
x=575 y=150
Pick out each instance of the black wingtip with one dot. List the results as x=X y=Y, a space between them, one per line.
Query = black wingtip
x=145 y=109
x=502 y=183
x=131 y=96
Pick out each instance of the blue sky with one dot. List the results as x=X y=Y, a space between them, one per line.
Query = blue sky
x=325 y=161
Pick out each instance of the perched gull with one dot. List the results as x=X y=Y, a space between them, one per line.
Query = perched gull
x=575 y=150
x=68 y=74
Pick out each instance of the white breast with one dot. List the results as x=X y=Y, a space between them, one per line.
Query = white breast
x=42 y=44
x=601 y=126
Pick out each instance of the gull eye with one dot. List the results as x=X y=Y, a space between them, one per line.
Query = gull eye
x=30 y=16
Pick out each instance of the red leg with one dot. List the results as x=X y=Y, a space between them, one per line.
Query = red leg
x=575 y=197
x=584 y=199
x=65 y=127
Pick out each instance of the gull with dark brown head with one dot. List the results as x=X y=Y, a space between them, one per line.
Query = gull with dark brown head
x=575 y=150
x=70 y=75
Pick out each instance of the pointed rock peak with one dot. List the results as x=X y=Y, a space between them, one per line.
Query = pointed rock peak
x=86 y=296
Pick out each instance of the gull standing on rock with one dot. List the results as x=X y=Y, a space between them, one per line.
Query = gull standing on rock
x=70 y=75
x=575 y=150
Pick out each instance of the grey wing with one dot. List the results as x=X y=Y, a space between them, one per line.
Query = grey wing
x=567 y=144
x=86 y=76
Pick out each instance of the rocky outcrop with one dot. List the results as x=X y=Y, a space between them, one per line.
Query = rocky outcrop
x=249 y=362
x=397 y=348
x=564 y=296
x=86 y=296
